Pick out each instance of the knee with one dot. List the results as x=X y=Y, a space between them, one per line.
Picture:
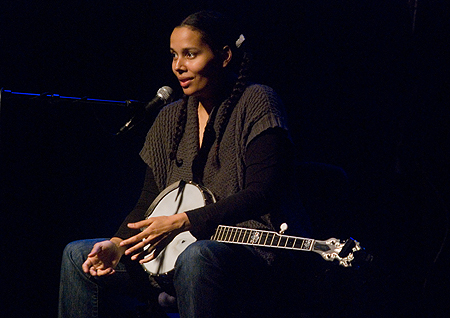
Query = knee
x=195 y=254
x=75 y=253
x=200 y=257
x=71 y=253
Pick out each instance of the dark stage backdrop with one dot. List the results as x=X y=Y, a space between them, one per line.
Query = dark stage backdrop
x=365 y=84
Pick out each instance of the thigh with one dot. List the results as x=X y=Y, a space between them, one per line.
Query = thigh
x=221 y=276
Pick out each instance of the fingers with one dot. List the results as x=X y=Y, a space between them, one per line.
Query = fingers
x=153 y=251
x=140 y=224
x=95 y=250
x=87 y=265
x=101 y=260
x=96 y=268
x=90 y=260
x=149 y=253
x=156 y=233
x=138 y=238
x=101 y=272
x=138 y=241
x=151 y=242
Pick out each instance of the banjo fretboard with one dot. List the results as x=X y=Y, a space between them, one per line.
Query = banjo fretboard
x=238 y=235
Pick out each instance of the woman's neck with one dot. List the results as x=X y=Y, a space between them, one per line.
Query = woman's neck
x=216 y=97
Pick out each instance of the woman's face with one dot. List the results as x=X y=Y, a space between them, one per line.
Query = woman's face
x=194 y=64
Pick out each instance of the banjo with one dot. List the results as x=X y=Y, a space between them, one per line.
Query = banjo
x=183 y=196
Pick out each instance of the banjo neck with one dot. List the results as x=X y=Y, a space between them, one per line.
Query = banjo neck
x=330 y=250
x=245 y=236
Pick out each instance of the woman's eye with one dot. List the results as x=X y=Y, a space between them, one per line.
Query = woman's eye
x=190 y=55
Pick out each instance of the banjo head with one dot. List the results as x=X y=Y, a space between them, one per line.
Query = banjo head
x=177 y=198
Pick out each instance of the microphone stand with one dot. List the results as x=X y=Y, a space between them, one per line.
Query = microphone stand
x=57 y=97
x=132 y=104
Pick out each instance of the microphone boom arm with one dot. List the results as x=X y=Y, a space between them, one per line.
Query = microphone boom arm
x=57 y=97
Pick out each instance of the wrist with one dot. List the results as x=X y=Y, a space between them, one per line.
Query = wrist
x=116 y=241
x=184 y=222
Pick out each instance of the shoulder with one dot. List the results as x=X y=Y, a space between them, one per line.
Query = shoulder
x=168 y=115
x=259 y=91
x=259 y=95
x=164 y=121
x=258 y=109
x=260 y=99
x=170 y=109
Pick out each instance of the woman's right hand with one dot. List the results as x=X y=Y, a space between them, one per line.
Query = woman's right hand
x=103 y=258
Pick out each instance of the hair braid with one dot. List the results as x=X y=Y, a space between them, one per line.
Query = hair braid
x=179 y=130
x=238 y=90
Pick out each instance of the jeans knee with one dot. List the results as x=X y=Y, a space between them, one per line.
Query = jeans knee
x=71 y=253
x=200 y=257
x=194 y=254
x=76 y=252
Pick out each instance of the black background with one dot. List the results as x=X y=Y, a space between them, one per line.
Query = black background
x=365 y=84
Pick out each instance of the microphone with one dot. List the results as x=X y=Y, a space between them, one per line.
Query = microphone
x=163 y=96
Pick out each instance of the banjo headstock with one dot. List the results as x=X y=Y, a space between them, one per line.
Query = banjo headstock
x=337 y=250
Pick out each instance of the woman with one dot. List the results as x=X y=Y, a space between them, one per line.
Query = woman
x=226 y=134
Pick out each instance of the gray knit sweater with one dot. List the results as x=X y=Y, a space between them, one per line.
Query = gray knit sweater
x=258 y=109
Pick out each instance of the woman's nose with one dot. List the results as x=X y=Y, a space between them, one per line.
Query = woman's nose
x=178 y=65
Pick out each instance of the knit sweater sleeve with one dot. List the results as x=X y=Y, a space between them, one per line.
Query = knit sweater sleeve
x=268 y=158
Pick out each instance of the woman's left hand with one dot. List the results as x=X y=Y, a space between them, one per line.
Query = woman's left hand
x=159 y=231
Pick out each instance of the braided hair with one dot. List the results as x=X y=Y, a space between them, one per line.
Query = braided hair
x=217 y=31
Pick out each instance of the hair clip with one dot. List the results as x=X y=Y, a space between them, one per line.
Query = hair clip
x=240 y=41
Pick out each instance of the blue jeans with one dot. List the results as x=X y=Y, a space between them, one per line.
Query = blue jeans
x=81 y=295
x=214 y=279
x=211 y=279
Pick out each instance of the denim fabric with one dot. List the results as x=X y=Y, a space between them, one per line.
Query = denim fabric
x=81 y=295
x=211 y=279
x=214 y=279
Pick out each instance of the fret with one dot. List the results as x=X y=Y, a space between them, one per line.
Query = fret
x=228 y=236
x=235 y=233
x=290 y=242
x=276 y=240
x=246 y=236
x=298 y=244
x=220 y=233
x=282 y=241
x=238 y=235
x=224 y=234
x=270 y=236
x=263 y=239
x=242 y=236
x=217 y=234
x=232 y=233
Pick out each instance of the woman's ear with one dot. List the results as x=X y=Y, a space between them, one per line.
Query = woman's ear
x=226 y=55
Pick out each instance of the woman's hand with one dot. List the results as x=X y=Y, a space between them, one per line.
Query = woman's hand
x=103 y=258
x=159 y=232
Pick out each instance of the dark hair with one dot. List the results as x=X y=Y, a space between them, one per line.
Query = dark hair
x=217 y=31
